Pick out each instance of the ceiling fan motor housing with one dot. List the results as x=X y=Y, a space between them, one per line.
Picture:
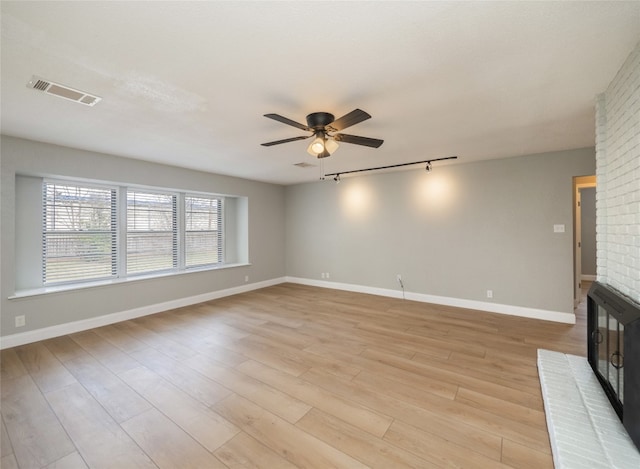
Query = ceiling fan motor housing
x=317 y=120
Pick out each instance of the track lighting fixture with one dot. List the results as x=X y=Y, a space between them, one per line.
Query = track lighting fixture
x=337 y=178
x=428 y=167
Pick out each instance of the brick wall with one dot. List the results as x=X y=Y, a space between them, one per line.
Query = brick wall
x=618 y=180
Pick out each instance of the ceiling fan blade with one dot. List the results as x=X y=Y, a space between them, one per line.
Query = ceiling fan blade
x=286 y=140
x=354 y=117
x=284 y=120
x=366 y=141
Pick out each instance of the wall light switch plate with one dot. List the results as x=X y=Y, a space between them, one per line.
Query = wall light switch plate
x=558 y=228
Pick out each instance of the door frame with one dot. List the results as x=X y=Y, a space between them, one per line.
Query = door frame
x=579 y=182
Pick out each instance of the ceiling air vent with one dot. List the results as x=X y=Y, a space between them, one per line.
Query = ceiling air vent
x=303 y=165
x=63 y=91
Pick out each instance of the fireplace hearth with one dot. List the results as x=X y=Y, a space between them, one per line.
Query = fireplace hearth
x=613 y=351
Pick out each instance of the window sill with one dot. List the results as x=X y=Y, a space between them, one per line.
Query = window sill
x=102 y=283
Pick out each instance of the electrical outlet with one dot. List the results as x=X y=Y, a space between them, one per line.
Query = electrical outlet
x=20 y=321
x=246 y=278
x=489 y=293
x=327 y=274
x=322 y=275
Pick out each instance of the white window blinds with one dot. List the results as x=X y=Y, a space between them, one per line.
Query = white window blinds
x=79 y=233
x=152 y=232
x=92 y=232
x=203 y=231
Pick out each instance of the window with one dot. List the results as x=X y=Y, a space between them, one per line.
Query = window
x=203 y=236
x=95 y=233
x=79 y=233
x=152 y=234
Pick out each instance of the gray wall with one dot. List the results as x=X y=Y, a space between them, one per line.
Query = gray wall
x=22 y=157
x=456 y=232
x=588 y=231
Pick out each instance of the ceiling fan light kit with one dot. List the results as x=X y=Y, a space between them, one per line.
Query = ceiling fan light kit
x=324 y=127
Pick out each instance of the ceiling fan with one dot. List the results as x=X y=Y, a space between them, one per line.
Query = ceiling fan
x=324 y=126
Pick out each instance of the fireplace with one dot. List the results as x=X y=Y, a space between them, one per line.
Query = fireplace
x=613 y=349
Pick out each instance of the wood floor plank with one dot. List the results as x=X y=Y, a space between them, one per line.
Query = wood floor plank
x=204 y=425
x=99 y=439
x=190 y=381
x=374 y=452
x=436 y=450
x=64 y=348
x=9 y=462
x=154 y=339
x=245 y=452
x=522 y=414
x=117 y=398
x=498 y=364
x=520 y=381
x=421 y=381
x=36 y=435
x=117 y=337
x=441 y=372
x=5 y=442
x=273 y=400
x=222 y=355
x=516 y=455
x=71 y=461
x=440 y=425
x=10 y=365
x=300 y=448
x=480 y=418
x=304 y=359
x=109 y=355
x=424 y=340
x=167 y=444
x=275 y=357
x=355 y=414
x=45 y=369
x=286 y=335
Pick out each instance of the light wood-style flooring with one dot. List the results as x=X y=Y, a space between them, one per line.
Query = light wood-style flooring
x=284 y=377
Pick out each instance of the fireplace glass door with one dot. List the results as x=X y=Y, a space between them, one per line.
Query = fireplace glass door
x=613 y=349
x=609 y=341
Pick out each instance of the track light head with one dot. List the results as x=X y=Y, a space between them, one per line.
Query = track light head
x=428 y=167
x=337 y=178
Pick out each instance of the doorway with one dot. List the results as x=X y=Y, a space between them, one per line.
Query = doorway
x=584 y=233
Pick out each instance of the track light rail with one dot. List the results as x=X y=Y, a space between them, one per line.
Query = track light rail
x=391 y=166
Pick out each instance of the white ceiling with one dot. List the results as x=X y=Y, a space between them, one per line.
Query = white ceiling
x=187 y=83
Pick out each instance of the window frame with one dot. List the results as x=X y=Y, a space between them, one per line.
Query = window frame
x=113 y=231
x=175 y=232
x=220 y=231
x=119 y=251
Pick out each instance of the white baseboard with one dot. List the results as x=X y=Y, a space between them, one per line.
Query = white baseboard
x=588 y=278
x=28 y=337
x=556 y=316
